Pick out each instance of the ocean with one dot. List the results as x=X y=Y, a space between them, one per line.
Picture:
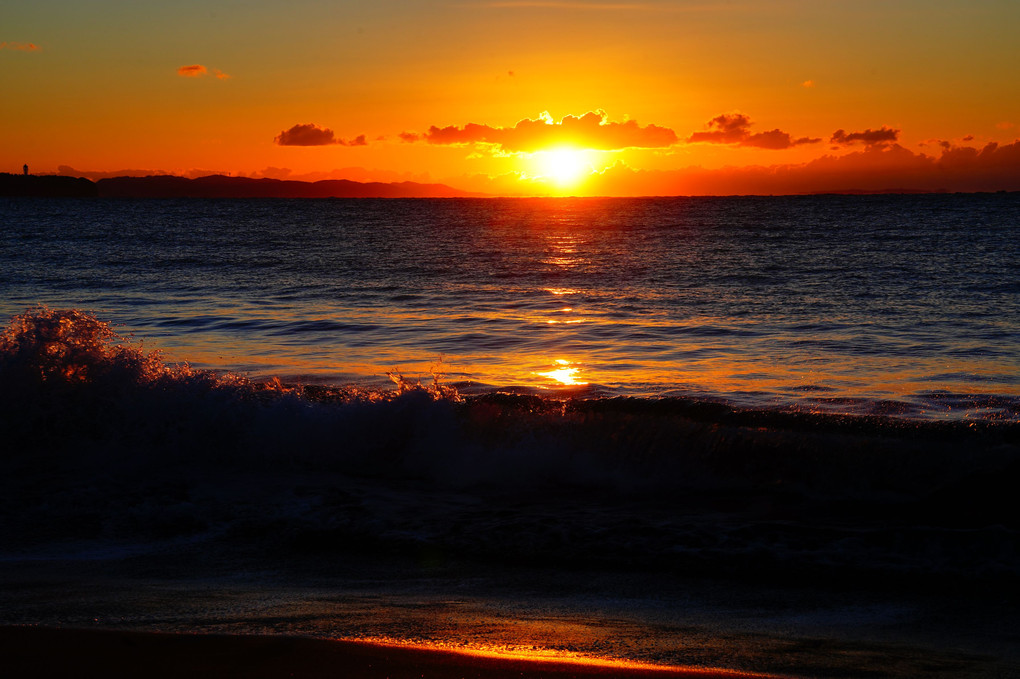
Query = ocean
x=765 y=433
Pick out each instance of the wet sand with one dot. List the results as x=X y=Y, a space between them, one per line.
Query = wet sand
x=49 y=652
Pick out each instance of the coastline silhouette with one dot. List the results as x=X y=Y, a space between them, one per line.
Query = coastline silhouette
x=214 y=186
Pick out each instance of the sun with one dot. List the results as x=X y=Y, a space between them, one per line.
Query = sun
x=563 y=166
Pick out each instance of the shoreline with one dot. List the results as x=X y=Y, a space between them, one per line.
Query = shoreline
x=31 y=651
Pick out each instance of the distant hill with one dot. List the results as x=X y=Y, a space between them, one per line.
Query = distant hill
x=216 y=186
x=219 y=186
x=30 y=185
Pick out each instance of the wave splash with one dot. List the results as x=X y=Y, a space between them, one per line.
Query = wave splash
x=106 y=444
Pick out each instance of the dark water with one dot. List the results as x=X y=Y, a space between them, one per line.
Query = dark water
x=797 y=449
x=878 y=304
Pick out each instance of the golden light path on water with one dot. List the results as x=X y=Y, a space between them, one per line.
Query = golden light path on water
x=565 y=373
x=559 y=337
x=477 y=372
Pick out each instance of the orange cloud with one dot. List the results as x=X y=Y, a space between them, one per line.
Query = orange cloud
x=193 y=71
x=884 y=135
x=19 y=46
x=568 y=4
x=198 y=70
x=310 y=134
x=735 y=129
x=592 y=130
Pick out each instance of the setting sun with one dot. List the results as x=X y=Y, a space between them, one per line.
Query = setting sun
x=564 y=166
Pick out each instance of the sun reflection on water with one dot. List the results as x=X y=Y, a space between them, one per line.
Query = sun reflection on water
x=562 y=252
x=565 y=373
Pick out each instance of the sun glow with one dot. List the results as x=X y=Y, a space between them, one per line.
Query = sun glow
x=563 y=166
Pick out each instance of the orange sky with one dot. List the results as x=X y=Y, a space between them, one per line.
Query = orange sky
x=521 y=96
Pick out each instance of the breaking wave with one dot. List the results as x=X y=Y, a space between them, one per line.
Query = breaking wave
x=108 y=445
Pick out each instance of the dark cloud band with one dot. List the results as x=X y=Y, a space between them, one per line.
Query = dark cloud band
x=735 y=129
x=309 y=134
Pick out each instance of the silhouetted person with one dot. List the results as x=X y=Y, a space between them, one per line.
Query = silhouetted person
x=24 y=168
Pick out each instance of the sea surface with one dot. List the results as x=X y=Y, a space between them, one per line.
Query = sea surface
x=767 y=433
x=901 y=305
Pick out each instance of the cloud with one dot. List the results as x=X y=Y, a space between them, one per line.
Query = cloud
x=198 y=71
x=730 y=128
x=883 y=135
x=567 y=4
x=1005 y=125
x=875 y=168
x=593 y=130
x=357 y=174
x=192 y=71
x=735 y=129
x=19 y=46
x=946 y=144
x=808 y=83
x=68 y=171
x=274 y=173
x=306 y=135
x=310 y=134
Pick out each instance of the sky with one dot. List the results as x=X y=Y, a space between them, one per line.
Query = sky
x=521 y=97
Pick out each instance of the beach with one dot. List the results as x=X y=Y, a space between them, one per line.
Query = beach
x=50 y=652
